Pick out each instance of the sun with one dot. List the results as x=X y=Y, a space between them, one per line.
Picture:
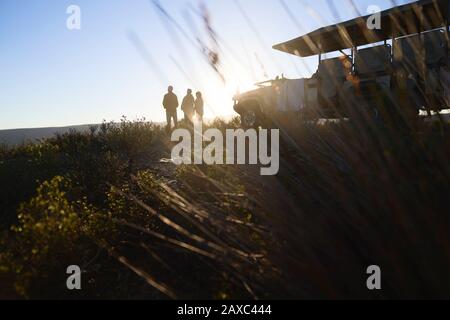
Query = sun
x=219 y=95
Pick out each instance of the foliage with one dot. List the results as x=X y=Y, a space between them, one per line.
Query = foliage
x=52 y=233
x=105 y=155
x=348 y=195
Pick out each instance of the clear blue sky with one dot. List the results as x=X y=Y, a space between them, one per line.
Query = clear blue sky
x=51 y=76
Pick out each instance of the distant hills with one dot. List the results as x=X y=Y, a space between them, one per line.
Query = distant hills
x=19 y=136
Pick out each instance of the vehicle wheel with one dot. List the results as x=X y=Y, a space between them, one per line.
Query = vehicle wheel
x=249 y=119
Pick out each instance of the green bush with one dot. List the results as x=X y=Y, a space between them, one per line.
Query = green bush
x=65 y=177
x=52 y=233
x=107 y=154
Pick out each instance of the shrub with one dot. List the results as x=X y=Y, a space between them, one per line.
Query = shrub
x=107 y=154
x=52 y=233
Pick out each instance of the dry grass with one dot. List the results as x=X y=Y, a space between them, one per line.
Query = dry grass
x=346 y=197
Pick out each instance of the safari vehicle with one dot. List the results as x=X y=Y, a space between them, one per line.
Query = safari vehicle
x=404 y=64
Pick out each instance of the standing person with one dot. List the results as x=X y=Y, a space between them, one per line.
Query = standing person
x=170 y=103
x=199 y=105
x=188 y=106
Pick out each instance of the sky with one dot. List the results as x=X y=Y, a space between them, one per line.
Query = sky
x=128 y=51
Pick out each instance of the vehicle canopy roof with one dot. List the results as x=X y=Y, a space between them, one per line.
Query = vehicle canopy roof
x=397 y=22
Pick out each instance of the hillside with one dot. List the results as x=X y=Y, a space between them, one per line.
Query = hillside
x=348 y=195
x=19 y=136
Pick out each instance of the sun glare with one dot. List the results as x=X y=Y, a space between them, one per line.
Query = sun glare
x=219 y=95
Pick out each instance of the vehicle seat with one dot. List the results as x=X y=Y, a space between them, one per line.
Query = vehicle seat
x=373 y=61
x=435 y=48
x=407 y=54
x=332 y=74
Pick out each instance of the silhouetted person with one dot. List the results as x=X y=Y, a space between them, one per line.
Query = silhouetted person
x=170 y=103
x=199 y=105
x=188 y=106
